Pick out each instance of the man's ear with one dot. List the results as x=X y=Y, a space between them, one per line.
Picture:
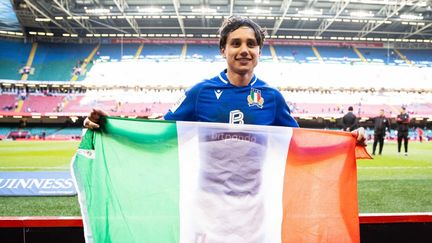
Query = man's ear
x=222 y=52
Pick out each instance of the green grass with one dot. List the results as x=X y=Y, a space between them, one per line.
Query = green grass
x=387 y=184
x=36 y=155
x=39 y=206
x=394 y=183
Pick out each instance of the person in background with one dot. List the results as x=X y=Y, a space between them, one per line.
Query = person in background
x=403 y=121
x=349 y=120
x=381 y=125
x=420 y=134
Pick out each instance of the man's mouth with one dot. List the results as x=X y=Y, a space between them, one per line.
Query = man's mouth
x=243 y=59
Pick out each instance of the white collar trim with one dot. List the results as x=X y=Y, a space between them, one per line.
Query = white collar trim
x=222 y=79
x=254 y=80
x=226 y=81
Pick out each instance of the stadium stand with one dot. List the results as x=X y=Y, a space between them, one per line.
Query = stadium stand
x=42 y=103
x=116 y=52
x=203 y=52
x=420 y=58
x=13 y=57
x=146 y=101
x=298 y=54
x=266 y=55
x=8 y=102
x=161 y=52
x=338 y=55
x=56 y=62
x=381 y=56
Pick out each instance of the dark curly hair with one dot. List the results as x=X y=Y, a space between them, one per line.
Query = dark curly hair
x=235 y=22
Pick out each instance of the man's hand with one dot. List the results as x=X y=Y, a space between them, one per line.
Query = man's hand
x=92 y=121
x=360 y=134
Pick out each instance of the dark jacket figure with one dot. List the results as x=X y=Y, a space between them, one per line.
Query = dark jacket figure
x=381 y=124
x=403 y=121
x=349 y=120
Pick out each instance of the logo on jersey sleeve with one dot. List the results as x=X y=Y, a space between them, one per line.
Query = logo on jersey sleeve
x=255 y=98
x=178 y=103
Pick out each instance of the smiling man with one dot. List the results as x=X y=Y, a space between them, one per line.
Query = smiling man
x=236 y=95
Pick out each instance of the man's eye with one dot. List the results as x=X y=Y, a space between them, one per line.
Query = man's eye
x=251 y=44
x=235 y=43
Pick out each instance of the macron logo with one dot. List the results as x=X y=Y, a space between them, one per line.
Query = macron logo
x=218 y=93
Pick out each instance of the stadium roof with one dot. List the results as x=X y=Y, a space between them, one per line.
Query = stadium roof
x=376 y=20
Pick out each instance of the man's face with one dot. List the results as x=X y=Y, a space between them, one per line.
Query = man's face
x=381 y=113
x=241 y=51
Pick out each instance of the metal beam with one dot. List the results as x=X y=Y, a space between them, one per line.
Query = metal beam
x=31 y=5
x=107 y=26
x=337 y=8
x=416 y=30
x=284 y=6
x=122 y=5
x=64 y=6
x=176 y=4
x=23 y=14
x=390 y=34
x=388 y=11
x=231 y=10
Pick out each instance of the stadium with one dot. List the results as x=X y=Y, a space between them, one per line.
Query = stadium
x=135 y=59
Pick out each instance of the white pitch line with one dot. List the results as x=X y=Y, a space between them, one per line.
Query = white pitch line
x=393 y=167
x=32 y=167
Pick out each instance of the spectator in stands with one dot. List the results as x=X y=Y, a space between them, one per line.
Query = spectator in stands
x=25 y=70
x=403 y=121
x=76 y=71
x=381 y=125
x=349 y=120
x=236 y=95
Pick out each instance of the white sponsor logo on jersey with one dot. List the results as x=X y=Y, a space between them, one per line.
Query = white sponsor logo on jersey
x=218 y=93
x=236 y=117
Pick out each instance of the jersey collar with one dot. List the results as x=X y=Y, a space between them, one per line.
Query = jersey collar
x=224 y=78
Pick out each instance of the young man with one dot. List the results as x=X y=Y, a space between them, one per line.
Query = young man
x=403 y=121
x=349 y=120
x=236 y=95
x=381 y=124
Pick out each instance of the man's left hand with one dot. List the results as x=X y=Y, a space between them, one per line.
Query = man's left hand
x=360 y=134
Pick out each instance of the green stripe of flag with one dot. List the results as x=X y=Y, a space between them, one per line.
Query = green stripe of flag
x=131 y=199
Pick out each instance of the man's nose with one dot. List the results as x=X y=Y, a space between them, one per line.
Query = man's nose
x=243 y=49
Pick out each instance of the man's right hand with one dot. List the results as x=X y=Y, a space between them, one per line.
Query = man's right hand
x=92 y=121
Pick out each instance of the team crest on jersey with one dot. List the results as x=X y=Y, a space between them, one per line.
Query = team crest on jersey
x=255 y=98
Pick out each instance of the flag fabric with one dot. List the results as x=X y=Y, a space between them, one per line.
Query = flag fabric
x=190 y=182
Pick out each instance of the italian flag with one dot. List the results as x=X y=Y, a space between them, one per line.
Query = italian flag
x=189 y=182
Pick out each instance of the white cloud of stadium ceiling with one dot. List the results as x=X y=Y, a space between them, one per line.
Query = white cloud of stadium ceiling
x=310 y=19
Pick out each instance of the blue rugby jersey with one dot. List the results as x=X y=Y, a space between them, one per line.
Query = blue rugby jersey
x=217 y=100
